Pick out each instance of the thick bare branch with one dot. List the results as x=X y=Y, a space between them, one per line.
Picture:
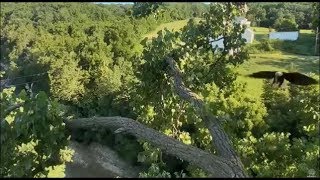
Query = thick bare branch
x=221 y=140
x=214 y=165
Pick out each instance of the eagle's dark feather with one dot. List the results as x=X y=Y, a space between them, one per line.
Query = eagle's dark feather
x=278 y=77
x=299 y=79
x=263 y=74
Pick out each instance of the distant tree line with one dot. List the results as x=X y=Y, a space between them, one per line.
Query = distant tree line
x=294 y=15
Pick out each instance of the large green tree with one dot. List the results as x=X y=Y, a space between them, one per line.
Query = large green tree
x=289 y=146
x=156 y=102
x=266 y=14
x=33 y=137
x=283 y=24
x=182 y=92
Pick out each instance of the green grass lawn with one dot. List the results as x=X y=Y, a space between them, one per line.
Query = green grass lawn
x=304 y=45
x=288 y=53
x=274 y=62
x=260 y=33
x=172 y=26
x=297 y=54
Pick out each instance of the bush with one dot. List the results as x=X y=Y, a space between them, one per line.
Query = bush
x=282 y=24
x=289 y=147
x=266 y=45
x=260 y=47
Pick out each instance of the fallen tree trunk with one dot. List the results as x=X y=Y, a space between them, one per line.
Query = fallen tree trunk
x=214 y=165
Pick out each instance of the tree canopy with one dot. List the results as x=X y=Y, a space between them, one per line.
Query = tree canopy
x=266 y=14
x=169 y=104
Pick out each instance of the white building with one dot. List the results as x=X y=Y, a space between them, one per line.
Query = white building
x=248 y=34
x=291 y=36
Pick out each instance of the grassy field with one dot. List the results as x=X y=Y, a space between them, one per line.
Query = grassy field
x=172 y=26
x=274 y=62
x=260 y=33
x=298 y=54
x=304 y=45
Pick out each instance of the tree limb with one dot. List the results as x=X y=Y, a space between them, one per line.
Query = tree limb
x=8 y=110
x=221 y=140
x=12 y=108
x=214 y=165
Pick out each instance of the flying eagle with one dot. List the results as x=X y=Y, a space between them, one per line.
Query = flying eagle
x=278 y=77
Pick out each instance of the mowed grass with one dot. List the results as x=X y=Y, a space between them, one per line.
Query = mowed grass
x=274 y=62
x=298 y=54
x=260 y=33
x=304 y=45
x=172 y=26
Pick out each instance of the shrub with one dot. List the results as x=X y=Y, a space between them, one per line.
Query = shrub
x=282 y=24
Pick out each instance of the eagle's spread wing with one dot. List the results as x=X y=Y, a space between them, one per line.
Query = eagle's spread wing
x=263 y=74
x=299 y=79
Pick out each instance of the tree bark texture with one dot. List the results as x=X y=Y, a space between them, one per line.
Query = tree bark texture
x=214 y=165
x=220 y=139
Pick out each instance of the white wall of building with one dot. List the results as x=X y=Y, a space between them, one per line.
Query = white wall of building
x=292 y=36
x=248 y=34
